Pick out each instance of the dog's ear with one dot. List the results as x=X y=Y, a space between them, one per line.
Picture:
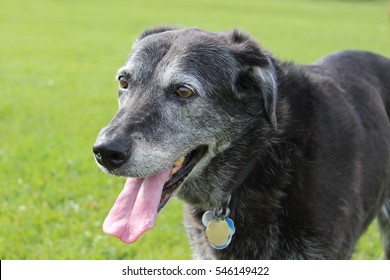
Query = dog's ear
x=257 y=74
x=155 y=30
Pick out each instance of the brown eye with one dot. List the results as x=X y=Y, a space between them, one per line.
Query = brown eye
x=123 y=83
x=184 y=92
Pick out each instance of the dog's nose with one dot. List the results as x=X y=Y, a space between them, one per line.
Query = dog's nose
x=110 y=156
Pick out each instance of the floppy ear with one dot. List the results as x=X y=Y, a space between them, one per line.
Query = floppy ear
x=257 y=75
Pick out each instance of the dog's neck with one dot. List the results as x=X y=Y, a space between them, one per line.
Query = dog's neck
x=256 y=198
x=259 y=189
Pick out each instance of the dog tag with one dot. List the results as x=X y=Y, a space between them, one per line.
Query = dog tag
x=219 y=228
x=207 y=218
x=231 y=226
x=218 y=232
x=222 y=246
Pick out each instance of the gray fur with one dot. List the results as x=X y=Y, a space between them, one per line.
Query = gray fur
x=304 y=151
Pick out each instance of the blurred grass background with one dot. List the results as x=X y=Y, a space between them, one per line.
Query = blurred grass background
x=58 y=59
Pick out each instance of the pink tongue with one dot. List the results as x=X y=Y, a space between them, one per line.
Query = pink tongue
x=135 y=209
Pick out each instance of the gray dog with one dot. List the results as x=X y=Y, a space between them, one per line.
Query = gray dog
x=273 y=160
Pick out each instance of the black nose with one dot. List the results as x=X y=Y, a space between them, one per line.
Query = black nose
x=110 y=155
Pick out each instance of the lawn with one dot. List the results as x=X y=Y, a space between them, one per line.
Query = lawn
x=57 y=65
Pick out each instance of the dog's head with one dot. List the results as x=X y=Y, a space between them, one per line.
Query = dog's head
x=186 y=97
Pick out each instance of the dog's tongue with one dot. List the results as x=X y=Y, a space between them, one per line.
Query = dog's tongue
x=135 y=209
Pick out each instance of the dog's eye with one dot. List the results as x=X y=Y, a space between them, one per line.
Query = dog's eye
x=123 y=83
x=184 y=92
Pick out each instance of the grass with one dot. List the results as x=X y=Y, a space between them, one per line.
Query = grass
x=58 y=60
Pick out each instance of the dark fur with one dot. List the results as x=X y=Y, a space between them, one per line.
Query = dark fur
x=306 y=160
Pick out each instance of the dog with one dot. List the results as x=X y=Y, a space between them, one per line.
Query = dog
x=294 y=159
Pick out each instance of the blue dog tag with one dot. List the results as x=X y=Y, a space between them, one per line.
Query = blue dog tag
x=231 y=225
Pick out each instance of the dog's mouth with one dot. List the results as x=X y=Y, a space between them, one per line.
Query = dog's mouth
x=135 y=210
x=181 y=168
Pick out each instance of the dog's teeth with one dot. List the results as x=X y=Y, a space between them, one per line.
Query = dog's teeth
x=174 y=170
x=180 y=161
x=178 y=164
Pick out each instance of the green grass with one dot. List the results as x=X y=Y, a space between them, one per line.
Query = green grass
x=58 y=61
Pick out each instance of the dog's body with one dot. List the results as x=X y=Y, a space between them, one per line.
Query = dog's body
x=303 y=151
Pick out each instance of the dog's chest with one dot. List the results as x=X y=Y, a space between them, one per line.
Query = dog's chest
x=246 y=243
